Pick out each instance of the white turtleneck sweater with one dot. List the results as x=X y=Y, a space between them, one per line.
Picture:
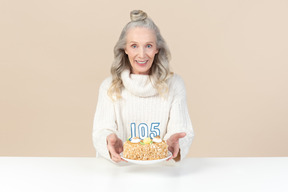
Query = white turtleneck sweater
x=142 y=112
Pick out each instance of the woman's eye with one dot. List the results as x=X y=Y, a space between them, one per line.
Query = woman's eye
x=149 y=46
x=133 y=46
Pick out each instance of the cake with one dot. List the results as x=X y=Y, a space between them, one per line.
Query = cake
x=146 y=149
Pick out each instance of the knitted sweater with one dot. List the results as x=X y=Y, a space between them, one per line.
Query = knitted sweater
x=142 y=112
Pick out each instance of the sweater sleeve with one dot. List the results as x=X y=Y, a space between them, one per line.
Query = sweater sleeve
x=104 y=121
x=179 y=120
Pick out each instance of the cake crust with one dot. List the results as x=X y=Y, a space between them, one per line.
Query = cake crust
x=145 y=151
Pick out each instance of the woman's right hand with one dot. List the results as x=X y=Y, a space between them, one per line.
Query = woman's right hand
x=115 y=147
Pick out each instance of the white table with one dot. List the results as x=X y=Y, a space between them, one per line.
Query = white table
x=96 y=174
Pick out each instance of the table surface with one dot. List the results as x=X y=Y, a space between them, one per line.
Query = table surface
x=96 y=174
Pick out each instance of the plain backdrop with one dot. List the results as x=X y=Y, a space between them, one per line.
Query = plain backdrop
x=231 y=54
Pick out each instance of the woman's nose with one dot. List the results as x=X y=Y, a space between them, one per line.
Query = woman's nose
x=141 y=53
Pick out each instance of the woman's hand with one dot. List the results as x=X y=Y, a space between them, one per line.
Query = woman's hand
x=115 y=147
x=173 y=145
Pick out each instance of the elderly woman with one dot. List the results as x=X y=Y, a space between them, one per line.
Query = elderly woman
x=141 y=92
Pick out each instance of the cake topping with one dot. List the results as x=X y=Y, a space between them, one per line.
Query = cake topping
x=146 y=150
x=157 y=139
x=135 y=140
x=147 y=140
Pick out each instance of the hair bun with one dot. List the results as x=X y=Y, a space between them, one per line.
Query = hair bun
x=138 y=15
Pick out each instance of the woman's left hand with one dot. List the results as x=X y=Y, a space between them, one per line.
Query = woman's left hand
x=173 y=144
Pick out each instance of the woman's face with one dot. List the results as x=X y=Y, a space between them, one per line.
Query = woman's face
x=141 y=49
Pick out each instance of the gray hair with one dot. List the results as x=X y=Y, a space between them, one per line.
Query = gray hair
x=160 y=70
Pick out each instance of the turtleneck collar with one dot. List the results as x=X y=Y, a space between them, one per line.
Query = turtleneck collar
x=139 y=85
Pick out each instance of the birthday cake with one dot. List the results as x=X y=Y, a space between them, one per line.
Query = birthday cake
x=146 y=149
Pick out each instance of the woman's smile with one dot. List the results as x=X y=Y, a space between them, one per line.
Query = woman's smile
x=142 y=63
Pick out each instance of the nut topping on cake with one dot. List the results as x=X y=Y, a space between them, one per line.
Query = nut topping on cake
x=145 y=149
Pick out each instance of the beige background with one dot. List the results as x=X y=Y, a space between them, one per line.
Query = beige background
x=232 y=56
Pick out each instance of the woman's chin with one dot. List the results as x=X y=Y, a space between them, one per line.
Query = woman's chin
x=141 y=69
